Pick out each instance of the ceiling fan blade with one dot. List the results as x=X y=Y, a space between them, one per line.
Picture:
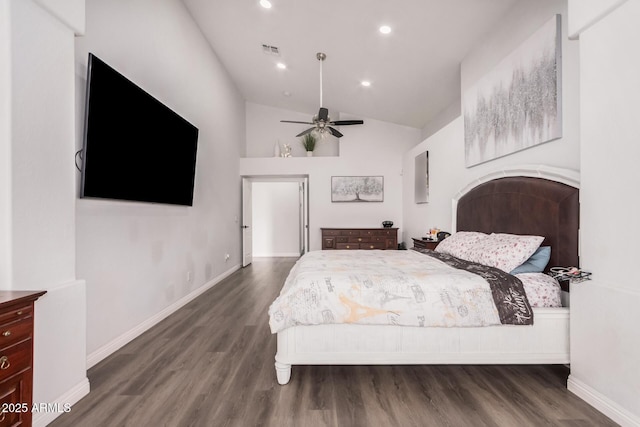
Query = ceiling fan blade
x=334 y=132
x=346 y=122
x=305 y=132
x=293 y=121
x=323 y=114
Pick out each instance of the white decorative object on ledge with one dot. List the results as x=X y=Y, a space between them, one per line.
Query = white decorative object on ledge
x=286 y=150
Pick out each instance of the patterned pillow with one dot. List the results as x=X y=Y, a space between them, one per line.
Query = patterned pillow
x=460 y=243
x=504 y=251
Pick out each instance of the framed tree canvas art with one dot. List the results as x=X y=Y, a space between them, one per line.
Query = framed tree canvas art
x=357 y=188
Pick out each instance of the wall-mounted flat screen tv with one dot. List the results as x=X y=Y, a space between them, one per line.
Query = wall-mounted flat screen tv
x=135 y=148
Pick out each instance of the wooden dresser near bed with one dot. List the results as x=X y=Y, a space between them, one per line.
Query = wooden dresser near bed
x=359 y=238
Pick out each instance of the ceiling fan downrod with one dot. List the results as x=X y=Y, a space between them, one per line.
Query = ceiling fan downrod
x=321 y=57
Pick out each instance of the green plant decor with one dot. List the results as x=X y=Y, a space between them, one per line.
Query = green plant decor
x=309 y=142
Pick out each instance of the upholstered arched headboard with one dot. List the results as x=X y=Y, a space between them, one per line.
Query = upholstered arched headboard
x=525 y=205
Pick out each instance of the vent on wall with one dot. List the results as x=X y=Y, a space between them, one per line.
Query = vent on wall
x=270 y=50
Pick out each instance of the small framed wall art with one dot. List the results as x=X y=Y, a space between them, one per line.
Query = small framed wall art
x=422 y=178
x=357 y=189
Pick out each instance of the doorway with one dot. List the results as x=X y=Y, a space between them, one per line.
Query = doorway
x=275 y=216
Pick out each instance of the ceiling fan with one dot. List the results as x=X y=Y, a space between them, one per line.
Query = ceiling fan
x=321 y=122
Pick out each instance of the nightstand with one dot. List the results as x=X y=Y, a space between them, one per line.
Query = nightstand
x=425 y=243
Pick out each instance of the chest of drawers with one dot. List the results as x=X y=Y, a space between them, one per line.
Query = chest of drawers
x=16 y=356
x=359 y=238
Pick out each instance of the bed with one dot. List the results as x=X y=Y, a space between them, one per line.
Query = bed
x=519 y=205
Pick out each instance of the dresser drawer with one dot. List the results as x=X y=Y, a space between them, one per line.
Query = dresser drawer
x=330 y=232
x=19 y=312
x=15 y=358
x=328 y=243
x=359 y=239
x=14 y=332
x=350 y=233
x=347 y=245
x=373 y=245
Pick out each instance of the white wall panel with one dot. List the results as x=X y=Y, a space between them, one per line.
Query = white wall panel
x=138 y=259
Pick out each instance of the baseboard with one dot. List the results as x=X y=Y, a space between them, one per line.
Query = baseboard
x=119 y=342
x=278 y=255
x=71 y=397
x=602 y=403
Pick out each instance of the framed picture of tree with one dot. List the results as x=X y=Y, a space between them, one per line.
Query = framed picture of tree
x=357 y=189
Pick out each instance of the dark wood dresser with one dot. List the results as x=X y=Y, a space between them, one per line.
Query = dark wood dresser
x=16 y=356
x=359 y=238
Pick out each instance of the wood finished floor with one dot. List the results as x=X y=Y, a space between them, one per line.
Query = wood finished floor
x=211 y=364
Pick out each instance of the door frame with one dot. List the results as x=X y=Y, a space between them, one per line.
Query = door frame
x=303 y=186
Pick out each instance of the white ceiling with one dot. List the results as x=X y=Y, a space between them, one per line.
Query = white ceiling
x=414 y=71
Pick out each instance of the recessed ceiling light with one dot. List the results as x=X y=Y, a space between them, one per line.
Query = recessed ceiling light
x=286 y=93
x=281 y=66
x=265 y=3
x=385 y=29
x=365 y=83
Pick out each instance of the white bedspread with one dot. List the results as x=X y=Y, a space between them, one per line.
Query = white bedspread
x=381 y=287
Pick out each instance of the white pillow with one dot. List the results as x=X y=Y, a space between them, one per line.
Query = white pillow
x=460 y=243
x=504 y=251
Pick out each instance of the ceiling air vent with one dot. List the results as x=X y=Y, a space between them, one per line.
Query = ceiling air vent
x=270 y=50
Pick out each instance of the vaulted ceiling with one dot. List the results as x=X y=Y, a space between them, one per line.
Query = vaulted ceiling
x=414 y=71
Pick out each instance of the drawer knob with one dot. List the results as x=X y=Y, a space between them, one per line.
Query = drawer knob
x=4 y=363
x=19 y=313
x=348 y=247
x=360 y=239
x=371 y=247
x=6 y=333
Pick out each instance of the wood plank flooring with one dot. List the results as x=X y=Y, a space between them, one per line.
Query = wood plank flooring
x=211 y=364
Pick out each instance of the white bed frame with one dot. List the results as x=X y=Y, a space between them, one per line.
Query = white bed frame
x=545 y=342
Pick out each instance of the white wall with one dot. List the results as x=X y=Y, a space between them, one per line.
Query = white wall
x=141 y=261
x=5 y=145
x=375 y=148
x=276 y=219
x=448 y=173
x=37 y=196
x=442 y=119
x=69 y=12
x=605 y=343
x=585 y=13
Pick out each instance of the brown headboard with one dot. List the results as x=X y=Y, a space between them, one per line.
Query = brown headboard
x=525 y=205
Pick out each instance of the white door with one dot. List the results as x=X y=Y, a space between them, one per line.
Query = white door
x=247 y=244
x=304 y=217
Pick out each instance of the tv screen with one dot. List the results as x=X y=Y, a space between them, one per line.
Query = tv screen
x=135 y=148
